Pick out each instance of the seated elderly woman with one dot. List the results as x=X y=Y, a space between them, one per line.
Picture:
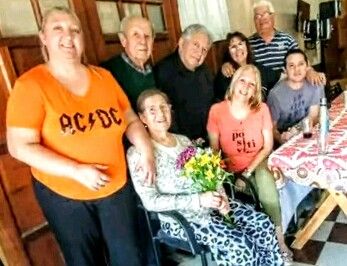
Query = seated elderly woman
x=251 y=241
x=241 y=127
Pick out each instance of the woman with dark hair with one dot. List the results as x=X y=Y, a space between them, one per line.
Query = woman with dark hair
x=239 y=54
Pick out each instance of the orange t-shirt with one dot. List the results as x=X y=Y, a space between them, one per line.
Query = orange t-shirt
x=240 y=140
x=87 y=129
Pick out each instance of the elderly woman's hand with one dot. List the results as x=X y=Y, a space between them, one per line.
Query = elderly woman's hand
x=211 y=199
x=224 y=207
x=146 y=165
x=91 y=175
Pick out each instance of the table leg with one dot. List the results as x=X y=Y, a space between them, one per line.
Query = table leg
x=340 y=199
x=303 y=235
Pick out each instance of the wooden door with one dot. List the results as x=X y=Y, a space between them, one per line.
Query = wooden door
x=104 y=18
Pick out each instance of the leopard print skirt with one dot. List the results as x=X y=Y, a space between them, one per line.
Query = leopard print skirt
x=250 y=241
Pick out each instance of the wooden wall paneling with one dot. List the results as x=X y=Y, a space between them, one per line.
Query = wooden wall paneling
x=3 y=101
x=174 y=25
x=16 y=180
x=160 y=50
x=7 y=77
x=39 y=242
x=8 y=68
x=103 y=50
x=81 y=7
x=24 y=58
x=43 y=250
x=11 y=245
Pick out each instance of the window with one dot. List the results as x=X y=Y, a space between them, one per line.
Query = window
x=109 y=16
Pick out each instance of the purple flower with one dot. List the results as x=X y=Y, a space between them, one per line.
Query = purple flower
x=185 y=156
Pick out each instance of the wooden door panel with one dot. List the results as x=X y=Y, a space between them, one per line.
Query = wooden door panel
x=10 y=241
x=161 y=49
x=24 y=58
x=43 y=250
x=16 y=180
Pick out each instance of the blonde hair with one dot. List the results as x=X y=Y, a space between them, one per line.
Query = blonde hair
x=254 y=101
x=44 y=20
x=265 y=3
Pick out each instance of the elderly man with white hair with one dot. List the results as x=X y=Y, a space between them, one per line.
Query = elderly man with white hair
x=131 y=68
x=269 y=45
x=187 y=81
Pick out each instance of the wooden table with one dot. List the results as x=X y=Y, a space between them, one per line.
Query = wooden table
x=298 y=160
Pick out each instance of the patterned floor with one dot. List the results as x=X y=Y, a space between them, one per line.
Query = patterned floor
x=328 y=247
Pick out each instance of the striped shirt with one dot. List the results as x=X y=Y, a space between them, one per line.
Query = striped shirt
x=272 y=54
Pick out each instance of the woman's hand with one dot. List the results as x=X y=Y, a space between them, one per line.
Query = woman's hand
x=146 y=165
x=211 y=199
x=240 y=185
x=287 y=135
x=91 y=175
x=227 y=70
x=316 y=78
x=224 y=207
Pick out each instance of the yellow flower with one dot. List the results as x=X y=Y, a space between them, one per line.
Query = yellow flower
x=204 y=159
x=209 y=175
x=215 y=159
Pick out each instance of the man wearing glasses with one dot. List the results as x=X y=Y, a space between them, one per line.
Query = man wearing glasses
x=269 y=46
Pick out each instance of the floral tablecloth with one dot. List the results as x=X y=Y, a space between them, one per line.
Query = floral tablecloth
x=298 y=159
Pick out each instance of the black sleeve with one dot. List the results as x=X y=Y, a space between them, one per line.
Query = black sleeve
x=220 y=85
x=269 y=78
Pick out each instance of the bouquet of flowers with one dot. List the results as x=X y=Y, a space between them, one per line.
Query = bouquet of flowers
x=205 y=168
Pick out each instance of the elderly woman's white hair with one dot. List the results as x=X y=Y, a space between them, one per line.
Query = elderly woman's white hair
x=265 y=3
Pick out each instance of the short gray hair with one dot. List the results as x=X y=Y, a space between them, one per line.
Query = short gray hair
x=265 y=3
x=125 y=21
x=196 y=28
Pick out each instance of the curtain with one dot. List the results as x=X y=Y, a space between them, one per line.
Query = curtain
x=213 y=14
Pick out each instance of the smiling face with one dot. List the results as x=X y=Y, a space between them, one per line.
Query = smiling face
x=193 y=50
x=62 y=36
x=156 y=113
x=263 y=19
x=137 y=40
x=244 y=86
x=296 y=68
x=238 y=51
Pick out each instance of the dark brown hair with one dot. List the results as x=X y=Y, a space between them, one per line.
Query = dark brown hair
x=242 y=37
x=149 y=93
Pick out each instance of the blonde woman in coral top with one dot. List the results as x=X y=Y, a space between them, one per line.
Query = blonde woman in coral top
x=241 y=127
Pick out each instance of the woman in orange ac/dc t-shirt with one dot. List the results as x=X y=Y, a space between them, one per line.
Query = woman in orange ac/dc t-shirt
x=241 y=127
x=66 y=120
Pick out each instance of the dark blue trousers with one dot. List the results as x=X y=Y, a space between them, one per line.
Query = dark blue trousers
x=96 y=232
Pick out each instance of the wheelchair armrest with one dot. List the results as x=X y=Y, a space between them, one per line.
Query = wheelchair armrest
x=188 y=230
x=253 y=191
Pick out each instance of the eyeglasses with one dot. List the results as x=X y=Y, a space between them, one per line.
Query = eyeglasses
x=263 y=15
x=164 y=108
x=236 y=46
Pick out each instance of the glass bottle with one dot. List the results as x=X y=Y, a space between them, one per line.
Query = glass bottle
x=323 y=126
